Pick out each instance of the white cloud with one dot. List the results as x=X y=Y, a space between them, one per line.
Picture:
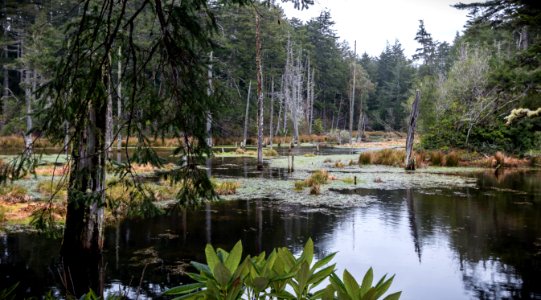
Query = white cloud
x=373 y=23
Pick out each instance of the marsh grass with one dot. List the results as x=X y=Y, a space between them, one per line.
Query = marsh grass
x=339 y=164
x=317 y=178
x=270 y=152
x=48 y=188
x=452 y=159
x=315 y=190
x=365 y=158
x=299 y=185
x=14 y=193
x=226 y=187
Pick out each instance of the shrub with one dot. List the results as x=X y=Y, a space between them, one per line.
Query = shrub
x=451 y=159
x=279 y=275
x=317 y=127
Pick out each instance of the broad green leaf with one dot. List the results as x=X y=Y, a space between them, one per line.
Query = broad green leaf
x=320 y=263
x=260 y=283
x=318 y=277
x=222 y=274
x=196 y=295
x=352 y=287
x=324 y=294
x=201 y=267
x=367 y=281
x=283 y=295
x=197 y=277
x=222 y=254
x=394 y=296
x=380 y=290
x=303 y=275
x=234 y=257
x=212 y=258
x=308 y=252
x=183 y=289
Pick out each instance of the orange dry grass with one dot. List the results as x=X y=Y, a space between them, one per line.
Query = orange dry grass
x=51 y=170
x=22 y=212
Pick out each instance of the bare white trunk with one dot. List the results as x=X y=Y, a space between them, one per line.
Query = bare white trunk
x=246 y=115
x=352 y=100
x=271 y=124
x=259 y=76
x=109 y=110
x=119 y=101
x=209 y=115
x=28 y=101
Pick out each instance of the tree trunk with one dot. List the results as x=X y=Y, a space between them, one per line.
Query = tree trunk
x=209 y=93
x=271 y=112
x=259 y=93
x=360 y=124
x=119 y=102
x=352 y=102
x=83 y=233
x=6 y=86
x=311 y=97
x=410 y=161
x=280 y=104
x=109 y=113
x=246 y=115
x=28 y=101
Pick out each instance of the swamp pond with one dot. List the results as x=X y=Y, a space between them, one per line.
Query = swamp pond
x=464 y=235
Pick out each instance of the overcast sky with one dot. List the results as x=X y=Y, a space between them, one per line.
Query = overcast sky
x=374 y=22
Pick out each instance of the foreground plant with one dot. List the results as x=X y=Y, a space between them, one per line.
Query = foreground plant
x=281 y=275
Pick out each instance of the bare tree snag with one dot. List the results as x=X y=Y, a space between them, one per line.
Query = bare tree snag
x=352 y=101
x=259 y=92
x=410 y=161
x=246 y=115
x=28 y=101
x=209 y=93
x=119 y=102
x=271 y=112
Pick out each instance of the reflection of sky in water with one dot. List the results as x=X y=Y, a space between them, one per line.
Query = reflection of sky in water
x=370 y=238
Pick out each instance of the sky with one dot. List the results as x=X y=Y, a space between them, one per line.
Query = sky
x=373 y=23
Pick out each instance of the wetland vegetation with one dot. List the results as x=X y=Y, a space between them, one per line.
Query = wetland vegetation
x=138 y=138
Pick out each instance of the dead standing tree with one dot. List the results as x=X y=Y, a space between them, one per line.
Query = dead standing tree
x=410 y=161
x=259 y=92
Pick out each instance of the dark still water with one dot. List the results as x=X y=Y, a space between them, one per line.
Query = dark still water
x=476 y=243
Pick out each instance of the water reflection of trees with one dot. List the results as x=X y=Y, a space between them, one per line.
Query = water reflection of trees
x=494 y=235
x=179 y=238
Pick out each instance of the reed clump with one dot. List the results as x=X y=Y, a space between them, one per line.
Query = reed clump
x=226 y=187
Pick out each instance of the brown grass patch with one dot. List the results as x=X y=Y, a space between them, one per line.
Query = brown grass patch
x=226 y=187
x=52 y=170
